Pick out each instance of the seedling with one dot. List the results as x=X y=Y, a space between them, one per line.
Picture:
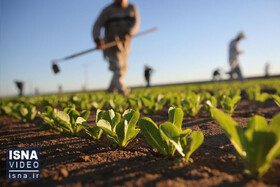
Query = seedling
x=26 y=113
x=152 y=105
x=257 y=146
x=191 y=105
x=175 y=101
x=210 y=103
x=81 y=103
x=98 y=104
x=135 y=104
x=95 y=132
x=229 y=104
x=119 y=132
x=252 y=92
x=118 y=103
x=261 y=98
x=69 y=120
x=169 y=136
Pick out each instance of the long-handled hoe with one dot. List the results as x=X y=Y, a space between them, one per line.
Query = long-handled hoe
x=107 y=45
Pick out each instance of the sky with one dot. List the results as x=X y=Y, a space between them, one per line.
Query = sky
x=191 y=42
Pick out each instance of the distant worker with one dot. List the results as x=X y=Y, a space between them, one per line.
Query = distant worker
x=120 y=21
x=217 y=75
x=266 y=69
x=20 y=87
x=234 y=54
x=147 y=73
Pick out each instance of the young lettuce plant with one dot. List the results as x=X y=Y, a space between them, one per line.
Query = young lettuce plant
x=210 y=103
x=252 y=92
x=75 y=121
x=69 y=120
x=118 y=103
x=169 y=136
x=19 y=111
x=98 y=104
x=95 y=132
x=52 y=118
x=191 y=105
x=175 y=101
x=135 y=103
x=233 y=92
x=260 y=98
x=119 y=132
x=152 y=105
x=27 y=113
x=229 y=104
x=257 y=146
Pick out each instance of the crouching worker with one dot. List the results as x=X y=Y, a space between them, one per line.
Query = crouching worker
x=120 y=21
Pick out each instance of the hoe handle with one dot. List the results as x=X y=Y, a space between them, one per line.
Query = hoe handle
x=78 y=54
x=107 y=45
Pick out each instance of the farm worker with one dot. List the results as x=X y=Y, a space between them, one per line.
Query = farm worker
x=266 y=69
x=234 y=54
x=120 y=21
x=147 y=74
x=20 y=86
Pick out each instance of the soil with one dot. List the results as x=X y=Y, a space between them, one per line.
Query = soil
x=79 y=161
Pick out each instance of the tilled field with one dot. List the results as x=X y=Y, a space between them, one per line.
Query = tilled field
x=79 y=161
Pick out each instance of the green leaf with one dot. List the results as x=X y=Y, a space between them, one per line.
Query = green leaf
x=99 y=114
x=236 y=100
x=48 y=109
x=276 y=99
x=81 y=121
x=195 y=140
x=121 y=130
x=132 y=117
x=232 y=130
x=85 y=114
x=275 y=125
x=63 y=116
x=171 y=133
x=94 y=132
x=116 y=120
x=23 y=111
x=274 y=152
x=258 y=148
x=257 y=123
x=185 y=133
x=176 y=117
x=133 y=134
x=106 y=127
x=73 y=114
x=66 y=126
x=107 y=116
x=152 y=134
x=111 y=114
x=32 y=112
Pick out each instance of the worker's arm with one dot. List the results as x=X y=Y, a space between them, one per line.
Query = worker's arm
x=135 y=27
x=96 y=31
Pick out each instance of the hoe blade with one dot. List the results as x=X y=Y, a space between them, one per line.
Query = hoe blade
x=55 y=68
